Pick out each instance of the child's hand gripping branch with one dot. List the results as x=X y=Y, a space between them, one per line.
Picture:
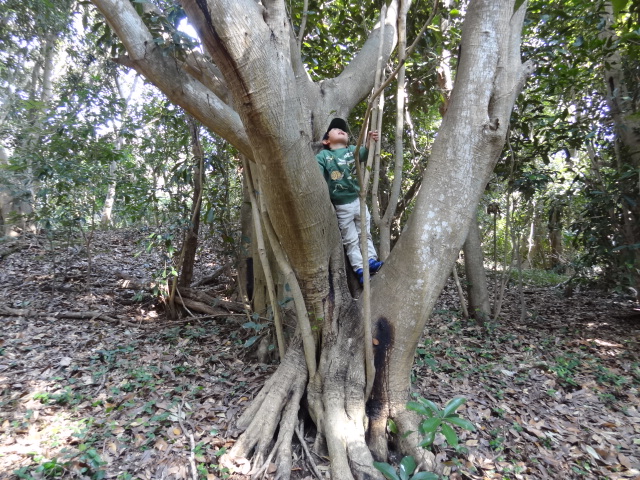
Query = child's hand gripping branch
x=338 y=167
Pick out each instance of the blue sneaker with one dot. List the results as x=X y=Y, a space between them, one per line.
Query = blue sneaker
x=374 y=266
x=360 y=275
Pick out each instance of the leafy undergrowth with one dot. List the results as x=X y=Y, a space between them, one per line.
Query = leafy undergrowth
x=553 y=396
x=126 y=394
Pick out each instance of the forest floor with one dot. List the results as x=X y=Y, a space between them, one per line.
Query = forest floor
x=95 y=382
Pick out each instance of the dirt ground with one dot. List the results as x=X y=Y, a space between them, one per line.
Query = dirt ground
x=95 y=382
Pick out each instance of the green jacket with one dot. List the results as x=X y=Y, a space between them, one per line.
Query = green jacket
x=339 y=171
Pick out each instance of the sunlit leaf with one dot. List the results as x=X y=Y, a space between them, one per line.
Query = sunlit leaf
x=453 y=405
x=407 y=467
x=387 y=470
x=461 y=422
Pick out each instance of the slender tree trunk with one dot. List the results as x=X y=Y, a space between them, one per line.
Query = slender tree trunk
x=444 y=76
x=477 y=289
x=190 y=245
x=555 y=234
x=531 y=240
x=46 y=94
x=107 y=210
x=244 y=265
x=384 y=223
x=18 y=209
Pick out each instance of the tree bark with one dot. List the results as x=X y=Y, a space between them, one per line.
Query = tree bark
x=190 y=245
x=16 y=204
x=468 y=144
x=477 y=289
x=555 y=234
x=107 y=210
x=624 y=112
x=384 y=222
x=244 y=257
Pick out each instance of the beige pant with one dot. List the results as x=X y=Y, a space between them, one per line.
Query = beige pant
x=349 y=223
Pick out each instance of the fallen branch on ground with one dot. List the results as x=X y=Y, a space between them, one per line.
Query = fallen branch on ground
x=190 y=298
x=216 y=273
x=91 y=315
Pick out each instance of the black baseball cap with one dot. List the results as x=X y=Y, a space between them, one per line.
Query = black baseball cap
x=336 y=123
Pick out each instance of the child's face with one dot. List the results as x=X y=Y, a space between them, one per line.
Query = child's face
x=337 y=137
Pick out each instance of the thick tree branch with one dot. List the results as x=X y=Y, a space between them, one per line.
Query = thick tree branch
x=200 y=68
x=342 y=93
x=276 y=118
x=463 y=156
x=165 y=73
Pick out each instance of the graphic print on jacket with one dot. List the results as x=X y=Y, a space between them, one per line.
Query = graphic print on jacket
x=339 y=170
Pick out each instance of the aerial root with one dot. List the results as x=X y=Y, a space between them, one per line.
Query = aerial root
x=252 y=410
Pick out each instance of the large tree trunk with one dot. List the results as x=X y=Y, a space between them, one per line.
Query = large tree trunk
x=468 y=144
x=624 y=112
x=279 y=113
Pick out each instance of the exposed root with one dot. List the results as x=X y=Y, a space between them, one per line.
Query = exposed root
x=340 y=405
x=287 y=428
x=408 y=443
x=276 y=406
x=310 y=461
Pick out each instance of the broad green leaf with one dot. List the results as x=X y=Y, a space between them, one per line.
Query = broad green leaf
x=407 y=467
x=393 y=428
x=449 y=434
x=387 y=470
x=251 y=341
x=619 y=5
x=453 y=405
x=517 y=5
x=461 y=422
x=425 y=476
x=430 y=405
x=419 y=408
x=428 y=439
x=431 y=424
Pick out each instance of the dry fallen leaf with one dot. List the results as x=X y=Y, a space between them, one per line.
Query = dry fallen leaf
x=65 y=361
